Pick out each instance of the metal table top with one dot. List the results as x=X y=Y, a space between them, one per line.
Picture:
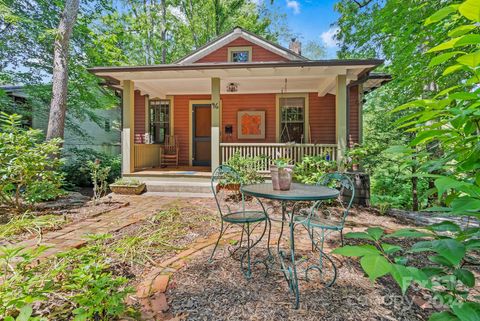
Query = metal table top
x=297 y=192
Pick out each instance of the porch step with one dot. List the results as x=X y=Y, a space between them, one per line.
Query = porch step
x=178 y=186
x=180 y=195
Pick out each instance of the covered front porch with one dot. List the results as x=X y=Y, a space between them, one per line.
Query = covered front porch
x=201 y=105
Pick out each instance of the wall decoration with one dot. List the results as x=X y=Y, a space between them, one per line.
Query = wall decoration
x=251 y=124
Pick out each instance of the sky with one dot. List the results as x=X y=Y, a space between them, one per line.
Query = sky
x=312 y=19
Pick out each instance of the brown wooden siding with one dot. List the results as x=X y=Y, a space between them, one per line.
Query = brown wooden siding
x=353 y=132
x=232 y=104
x=139 y=111
x=322 y=119
x=259 y=54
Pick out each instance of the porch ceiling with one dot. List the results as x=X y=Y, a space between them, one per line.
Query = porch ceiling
x=251 y=78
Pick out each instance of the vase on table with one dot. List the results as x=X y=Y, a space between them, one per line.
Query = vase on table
x=274 y=175
x=285 y=178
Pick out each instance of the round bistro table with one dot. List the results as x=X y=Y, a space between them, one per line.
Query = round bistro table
x=297 y=193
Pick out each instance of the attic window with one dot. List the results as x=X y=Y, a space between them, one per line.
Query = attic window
x=240 y=54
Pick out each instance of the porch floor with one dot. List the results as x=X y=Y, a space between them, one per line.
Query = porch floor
x=195 y=171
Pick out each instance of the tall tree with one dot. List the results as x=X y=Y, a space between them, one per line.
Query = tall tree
x=58 y=106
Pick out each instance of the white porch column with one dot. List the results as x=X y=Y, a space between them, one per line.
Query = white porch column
x=128 y=157
x=215 y=123
x=341 y=116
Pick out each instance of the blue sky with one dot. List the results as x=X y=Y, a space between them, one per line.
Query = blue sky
x=310 y=18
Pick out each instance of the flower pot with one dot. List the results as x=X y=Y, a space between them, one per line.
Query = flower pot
x=274 y=174
x=127 y=189
x=285 y=178
x=229 y=187
x=355 y=167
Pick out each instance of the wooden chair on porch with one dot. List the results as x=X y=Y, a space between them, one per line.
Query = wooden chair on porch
x=169 y=152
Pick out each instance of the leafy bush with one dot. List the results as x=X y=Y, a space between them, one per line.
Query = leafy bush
x=246 y=167
x=312 y=168
x=444 y=147
x=99 y=175
x=29 y=166
x=77 y=172
x=447 y=273
x=77 y=285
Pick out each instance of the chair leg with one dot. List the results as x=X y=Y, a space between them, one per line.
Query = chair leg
x=341 y=236
x=216 y=244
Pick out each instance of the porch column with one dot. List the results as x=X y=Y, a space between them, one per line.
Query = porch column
x=341 y=116
x=128 y=156
x=215 y=123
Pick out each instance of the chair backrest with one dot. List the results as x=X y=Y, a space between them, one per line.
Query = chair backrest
x=226 y=185
x=171 y=143
x=344 y=185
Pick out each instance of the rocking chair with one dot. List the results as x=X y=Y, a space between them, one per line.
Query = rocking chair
x=169 y=152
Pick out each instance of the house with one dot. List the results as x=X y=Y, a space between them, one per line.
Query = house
x=102 y=135
x=240 y=93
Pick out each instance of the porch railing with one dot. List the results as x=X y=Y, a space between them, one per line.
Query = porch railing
x=147 y=155
x=273 y=151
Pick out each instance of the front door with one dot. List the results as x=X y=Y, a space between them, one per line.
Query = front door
x=202 y=126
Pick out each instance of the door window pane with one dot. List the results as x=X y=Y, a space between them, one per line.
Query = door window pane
x=159 y=117
x=292 y=119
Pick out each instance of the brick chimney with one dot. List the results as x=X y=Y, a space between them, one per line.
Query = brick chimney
x=295 y=46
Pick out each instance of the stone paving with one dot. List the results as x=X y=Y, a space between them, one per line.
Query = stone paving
x=76 y=234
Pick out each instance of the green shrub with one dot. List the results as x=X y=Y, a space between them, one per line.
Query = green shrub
x=29 y=166
x=77 y=172
x=312 y=168
x=246 y=167
x=75 y=285
x=99 y=175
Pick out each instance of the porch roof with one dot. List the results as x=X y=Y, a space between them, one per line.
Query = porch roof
x=258 y=77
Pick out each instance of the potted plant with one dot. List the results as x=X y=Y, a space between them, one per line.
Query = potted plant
x=281 y=174
x=128 y=186
x=356 y=154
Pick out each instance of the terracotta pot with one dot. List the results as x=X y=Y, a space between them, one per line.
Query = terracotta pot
x=228 y=187
x=285 y=178
x=274 y=174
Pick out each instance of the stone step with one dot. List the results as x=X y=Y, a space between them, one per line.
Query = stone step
x=179 y=186
x=179 y=194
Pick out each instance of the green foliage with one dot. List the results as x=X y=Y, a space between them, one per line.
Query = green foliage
x=99 y=176
x=76 y=285
x=450 y=121
x=312 y=168
x=447 y=273
x=76 y=169
x=246 y=167
x=29 y=167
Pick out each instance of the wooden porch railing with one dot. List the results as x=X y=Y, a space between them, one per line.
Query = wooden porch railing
x=273 y=151
x=147 y=155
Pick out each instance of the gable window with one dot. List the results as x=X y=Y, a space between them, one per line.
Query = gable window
x=108 y=125
x=240 y=54
x=159 y=119
x=292 y=119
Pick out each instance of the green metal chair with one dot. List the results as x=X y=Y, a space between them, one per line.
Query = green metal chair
x=231 y=206
x=320 y=222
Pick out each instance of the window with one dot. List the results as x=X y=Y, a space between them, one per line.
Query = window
x=240 y=56
x=159 y=117
x=108 y=125
x=292 y=119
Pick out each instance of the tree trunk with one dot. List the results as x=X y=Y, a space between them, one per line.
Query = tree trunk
x=164 y=31
x=58 y=105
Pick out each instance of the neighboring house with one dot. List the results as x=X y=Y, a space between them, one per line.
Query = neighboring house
x=103 y=136
x=241 y=93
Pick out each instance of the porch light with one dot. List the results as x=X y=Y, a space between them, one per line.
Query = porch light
x=232 y=87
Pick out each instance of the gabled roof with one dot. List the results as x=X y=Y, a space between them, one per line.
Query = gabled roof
x=236 y=33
